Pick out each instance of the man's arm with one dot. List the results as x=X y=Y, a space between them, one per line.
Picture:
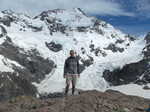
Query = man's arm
x=78 y=68
x=65 y=68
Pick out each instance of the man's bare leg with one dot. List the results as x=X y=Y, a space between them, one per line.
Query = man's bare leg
x=67 y=89
x=73 y=88
x=73 y=84
x=67 y=86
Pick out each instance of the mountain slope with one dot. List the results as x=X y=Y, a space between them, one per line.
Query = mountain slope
x=37 y=48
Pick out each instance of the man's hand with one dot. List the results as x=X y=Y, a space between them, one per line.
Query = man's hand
x=64 y=76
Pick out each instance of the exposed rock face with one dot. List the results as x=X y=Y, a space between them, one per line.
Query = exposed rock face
x=87 y=62
x=53 y=24
x=146 y=50
x=128 y=74
x=89 y=101
x=3 y=31
x=6 y=20
x=33 y=62
x=20 y=81
x=132 y=73
x=54 y=46
x=119 y=41
x=114 y=48
x=35 y=28
x=147 y=38
x=131 y=38
x=82 y=29
x=15 y=84
x=97 y=51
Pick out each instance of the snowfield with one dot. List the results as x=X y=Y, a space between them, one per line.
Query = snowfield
x=132 y=89
x=91 y=78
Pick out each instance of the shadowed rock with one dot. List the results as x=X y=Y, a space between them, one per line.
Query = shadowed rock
x=130 y=73
x=54 y=46
x=113 y=48
x=20 y=81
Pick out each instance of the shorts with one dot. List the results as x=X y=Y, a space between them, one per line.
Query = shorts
x=71 y=78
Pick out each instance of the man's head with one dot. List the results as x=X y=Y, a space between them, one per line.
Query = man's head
x=72 y=53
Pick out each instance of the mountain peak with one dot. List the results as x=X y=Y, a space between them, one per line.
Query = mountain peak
x=7 y=11
x=73 y=10
x=69 y=17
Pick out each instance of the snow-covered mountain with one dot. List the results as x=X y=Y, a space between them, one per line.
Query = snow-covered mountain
x=33 y=51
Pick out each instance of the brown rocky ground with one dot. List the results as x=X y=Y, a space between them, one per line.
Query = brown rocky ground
x=88 y=101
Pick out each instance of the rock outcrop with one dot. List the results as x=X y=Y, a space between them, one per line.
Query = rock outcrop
x=88 y=101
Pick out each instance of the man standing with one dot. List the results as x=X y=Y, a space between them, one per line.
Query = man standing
x=71 y=71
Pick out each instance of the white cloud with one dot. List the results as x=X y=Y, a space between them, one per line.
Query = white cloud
x=143 y=8
x=95 y=7
x=143 y=5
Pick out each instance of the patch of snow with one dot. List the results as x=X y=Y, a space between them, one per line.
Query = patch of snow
x=132 y=89
x=6 y=65
x=2 y=40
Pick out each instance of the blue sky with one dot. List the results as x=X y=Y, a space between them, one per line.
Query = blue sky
x=131 y=16
x=130 y=25
x=138 y=24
